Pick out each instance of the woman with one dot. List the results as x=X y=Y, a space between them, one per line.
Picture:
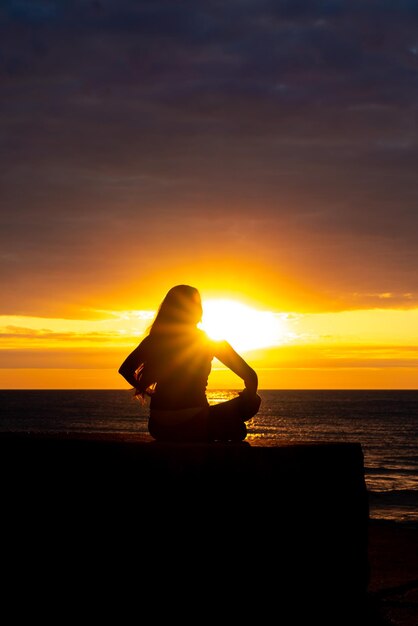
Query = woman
x=172 y=365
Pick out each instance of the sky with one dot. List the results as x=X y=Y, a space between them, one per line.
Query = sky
x=260 y=150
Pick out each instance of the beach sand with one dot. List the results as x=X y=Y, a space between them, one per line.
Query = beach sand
x=393 y=557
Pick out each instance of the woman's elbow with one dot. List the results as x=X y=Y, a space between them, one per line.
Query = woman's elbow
x=125 y=372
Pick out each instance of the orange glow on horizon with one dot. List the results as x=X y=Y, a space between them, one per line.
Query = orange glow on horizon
x=376 y=348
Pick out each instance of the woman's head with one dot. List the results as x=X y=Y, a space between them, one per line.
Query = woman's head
x=180 y=310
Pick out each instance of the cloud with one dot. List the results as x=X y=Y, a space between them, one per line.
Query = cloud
x=294 y=118
x=340 y=357
x=19 y=333
x=67 y=359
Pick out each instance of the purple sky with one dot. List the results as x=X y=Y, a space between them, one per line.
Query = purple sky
x=142 y=138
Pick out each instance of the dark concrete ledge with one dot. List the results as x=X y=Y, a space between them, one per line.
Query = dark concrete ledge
x=280 y=526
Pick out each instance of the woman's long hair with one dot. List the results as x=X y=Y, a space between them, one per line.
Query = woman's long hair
x=178 y=314
x=180 y=310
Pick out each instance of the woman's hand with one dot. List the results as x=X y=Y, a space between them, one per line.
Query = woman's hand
x=251 y=381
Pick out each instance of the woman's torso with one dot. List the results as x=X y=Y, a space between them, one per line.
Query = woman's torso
x=181 y=365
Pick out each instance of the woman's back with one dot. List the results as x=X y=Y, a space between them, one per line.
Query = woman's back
x=180 y=365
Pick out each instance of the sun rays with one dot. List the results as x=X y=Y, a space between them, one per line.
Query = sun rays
x=244 y=327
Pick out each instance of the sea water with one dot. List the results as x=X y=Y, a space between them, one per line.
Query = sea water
x=385 y=423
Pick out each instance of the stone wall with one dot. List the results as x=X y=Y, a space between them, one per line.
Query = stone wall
x=212 y=531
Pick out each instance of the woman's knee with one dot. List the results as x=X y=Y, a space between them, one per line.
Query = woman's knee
x=250 y=404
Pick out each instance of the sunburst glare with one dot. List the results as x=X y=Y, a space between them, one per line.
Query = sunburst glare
x=244 y=327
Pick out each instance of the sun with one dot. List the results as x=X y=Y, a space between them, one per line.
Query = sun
x=244 y=327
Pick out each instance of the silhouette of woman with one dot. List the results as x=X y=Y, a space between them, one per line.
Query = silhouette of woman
x=172 y=365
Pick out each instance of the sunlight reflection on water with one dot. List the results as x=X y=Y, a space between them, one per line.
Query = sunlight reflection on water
x=214 y=397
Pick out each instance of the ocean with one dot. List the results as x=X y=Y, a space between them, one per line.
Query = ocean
x=385 y=423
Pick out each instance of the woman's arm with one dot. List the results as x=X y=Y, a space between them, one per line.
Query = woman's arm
x=131 y=364
x=227 y=355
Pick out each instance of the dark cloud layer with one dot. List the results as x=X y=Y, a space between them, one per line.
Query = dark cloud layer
x=127 y=125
